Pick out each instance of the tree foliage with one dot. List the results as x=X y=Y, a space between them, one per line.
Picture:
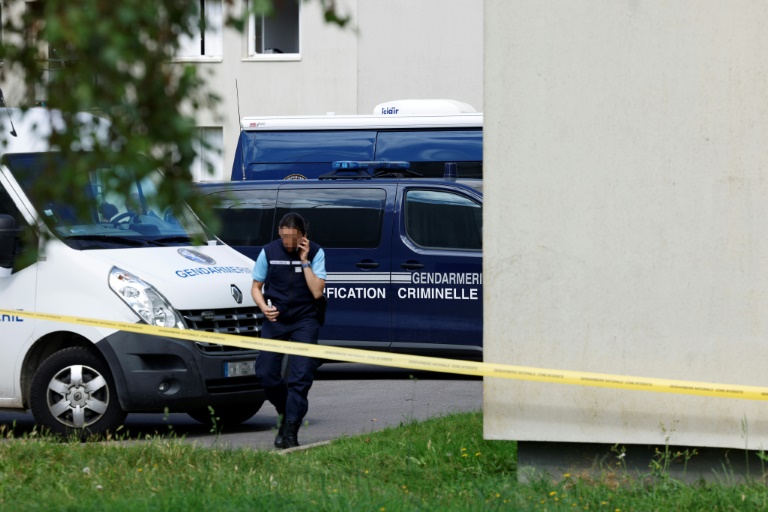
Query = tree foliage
x=114 y=59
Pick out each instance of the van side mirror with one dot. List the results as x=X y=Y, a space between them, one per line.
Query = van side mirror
x=8 y=234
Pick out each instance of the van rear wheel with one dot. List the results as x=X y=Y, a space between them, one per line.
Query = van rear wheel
x=73 y=394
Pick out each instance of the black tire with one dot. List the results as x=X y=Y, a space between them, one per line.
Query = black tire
x=228 y=416
x=73 y=394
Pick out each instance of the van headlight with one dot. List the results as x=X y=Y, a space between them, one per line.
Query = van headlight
x=142 y=297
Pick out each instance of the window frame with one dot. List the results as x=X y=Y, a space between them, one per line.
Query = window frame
x=253 y=55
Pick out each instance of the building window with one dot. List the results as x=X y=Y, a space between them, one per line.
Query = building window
x=206 y=38
x=209 y=164
x=275 y=33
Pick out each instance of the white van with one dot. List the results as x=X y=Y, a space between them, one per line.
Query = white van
x=131 y=263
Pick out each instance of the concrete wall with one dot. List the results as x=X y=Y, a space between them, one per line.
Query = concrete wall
x=625 y=215
x=423 y=49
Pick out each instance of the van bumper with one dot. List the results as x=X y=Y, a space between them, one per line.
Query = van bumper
x=154 y=373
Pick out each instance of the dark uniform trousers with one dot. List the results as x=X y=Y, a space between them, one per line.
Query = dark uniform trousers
x=289 y=397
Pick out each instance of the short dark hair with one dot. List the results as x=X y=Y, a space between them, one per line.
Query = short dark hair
x=293 y=221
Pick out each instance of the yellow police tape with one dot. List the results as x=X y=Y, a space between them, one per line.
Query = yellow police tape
x=434 y=364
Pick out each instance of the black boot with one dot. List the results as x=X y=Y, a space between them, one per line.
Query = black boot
x=291 y=439
x=280 y=437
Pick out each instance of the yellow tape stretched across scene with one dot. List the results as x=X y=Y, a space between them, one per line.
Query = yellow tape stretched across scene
x=434 y=364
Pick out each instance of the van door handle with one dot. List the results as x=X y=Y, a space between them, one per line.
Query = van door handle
x=367 y=264
x=411 y=265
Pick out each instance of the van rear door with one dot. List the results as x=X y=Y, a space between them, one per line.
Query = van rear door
x=437 y=272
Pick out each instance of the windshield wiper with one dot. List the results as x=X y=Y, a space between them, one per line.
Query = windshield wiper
x=133 y=242
x=170 y=240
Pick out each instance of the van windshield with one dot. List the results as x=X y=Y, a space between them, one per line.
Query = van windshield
x=133 y=218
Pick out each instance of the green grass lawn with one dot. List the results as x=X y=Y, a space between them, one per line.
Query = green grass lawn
x=440 y=464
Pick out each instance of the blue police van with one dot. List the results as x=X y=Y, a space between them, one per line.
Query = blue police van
x=425 y=133
x=403 y=255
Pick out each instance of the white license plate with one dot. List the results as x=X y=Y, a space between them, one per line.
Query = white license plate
x=239 y=368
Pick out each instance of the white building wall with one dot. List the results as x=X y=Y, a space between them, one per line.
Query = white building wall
x=420 y=49
x=626 y=208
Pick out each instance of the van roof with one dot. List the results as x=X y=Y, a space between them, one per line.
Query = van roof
x=334 y=122
x=393 y=115
x=219 y=185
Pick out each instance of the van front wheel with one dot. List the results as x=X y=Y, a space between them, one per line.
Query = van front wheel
x=73 y=394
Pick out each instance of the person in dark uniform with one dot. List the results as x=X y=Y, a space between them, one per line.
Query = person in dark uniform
x=288 y=277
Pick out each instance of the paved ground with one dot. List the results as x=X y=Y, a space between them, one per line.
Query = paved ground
x=346 y=400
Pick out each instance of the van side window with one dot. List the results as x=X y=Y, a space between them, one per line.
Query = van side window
x=338 y=218
x=443 y=220
x=275 y=155
x=246 y=217
x=27 y=237
x=429 y=150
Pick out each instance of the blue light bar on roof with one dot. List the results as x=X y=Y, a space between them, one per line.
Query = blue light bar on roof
x=374 y=164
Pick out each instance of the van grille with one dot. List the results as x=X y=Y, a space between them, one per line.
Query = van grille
x=239 y=321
